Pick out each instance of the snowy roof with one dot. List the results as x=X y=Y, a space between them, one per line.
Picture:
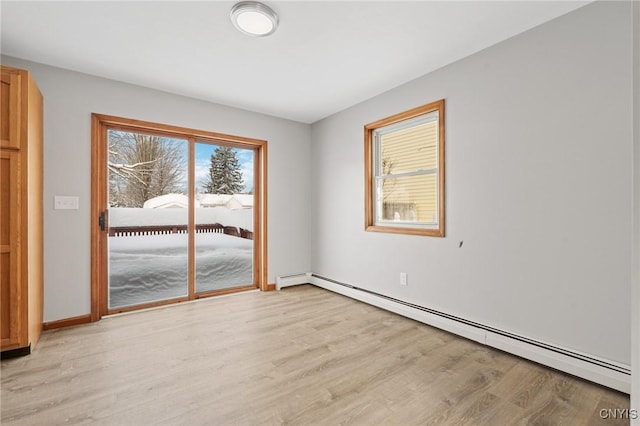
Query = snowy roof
x=169 y=201
x=246 y=200
x=235 y=201
x=214 y=199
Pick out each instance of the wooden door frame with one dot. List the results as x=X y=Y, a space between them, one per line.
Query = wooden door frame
x=100 y=123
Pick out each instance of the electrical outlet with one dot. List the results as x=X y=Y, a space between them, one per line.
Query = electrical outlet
x=403 y=278
x=65 y=203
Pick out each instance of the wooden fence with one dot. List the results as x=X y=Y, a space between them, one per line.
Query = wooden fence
x=130 y=231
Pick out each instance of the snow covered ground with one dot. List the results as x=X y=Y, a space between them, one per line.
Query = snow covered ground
x=148 y=268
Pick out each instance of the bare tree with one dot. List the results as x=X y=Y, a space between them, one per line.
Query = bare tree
x=388 y=185
x=142 y=167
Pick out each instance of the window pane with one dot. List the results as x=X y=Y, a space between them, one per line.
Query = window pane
x=409 y=149
x=148 y=217
x=224 y=217
x=408 y=199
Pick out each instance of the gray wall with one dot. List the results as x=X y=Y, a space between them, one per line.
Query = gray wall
x=69 y=100
x=635 y=299
x=538 y=184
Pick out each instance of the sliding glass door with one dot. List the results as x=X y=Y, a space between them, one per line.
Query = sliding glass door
x=181 y=216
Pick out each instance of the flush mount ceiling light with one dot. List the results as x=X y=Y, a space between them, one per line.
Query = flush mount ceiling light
x=254 y=18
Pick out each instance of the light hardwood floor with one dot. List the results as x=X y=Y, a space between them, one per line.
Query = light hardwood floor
x=299 y=356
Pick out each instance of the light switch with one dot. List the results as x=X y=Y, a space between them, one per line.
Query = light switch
x=66 y=203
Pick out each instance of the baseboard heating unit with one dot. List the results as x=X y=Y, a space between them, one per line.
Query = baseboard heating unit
x=607 y=373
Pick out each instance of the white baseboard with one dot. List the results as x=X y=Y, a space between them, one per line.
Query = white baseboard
x=609 y=377
x=607 y=373
x=296 y=279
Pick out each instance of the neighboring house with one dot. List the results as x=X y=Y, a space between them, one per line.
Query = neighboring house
x=411 y=198
x=232 y=202
x=169 y=201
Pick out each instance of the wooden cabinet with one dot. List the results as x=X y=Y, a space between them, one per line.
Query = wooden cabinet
x=21 y=279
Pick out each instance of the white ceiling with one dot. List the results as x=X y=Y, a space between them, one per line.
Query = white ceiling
x=324 y=57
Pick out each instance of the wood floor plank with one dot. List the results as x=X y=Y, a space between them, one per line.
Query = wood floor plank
x=301 y=356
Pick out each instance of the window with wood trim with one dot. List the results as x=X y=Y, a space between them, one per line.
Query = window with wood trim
x=404 y=172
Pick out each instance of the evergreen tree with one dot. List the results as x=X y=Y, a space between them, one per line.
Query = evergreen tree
x=225 y=176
